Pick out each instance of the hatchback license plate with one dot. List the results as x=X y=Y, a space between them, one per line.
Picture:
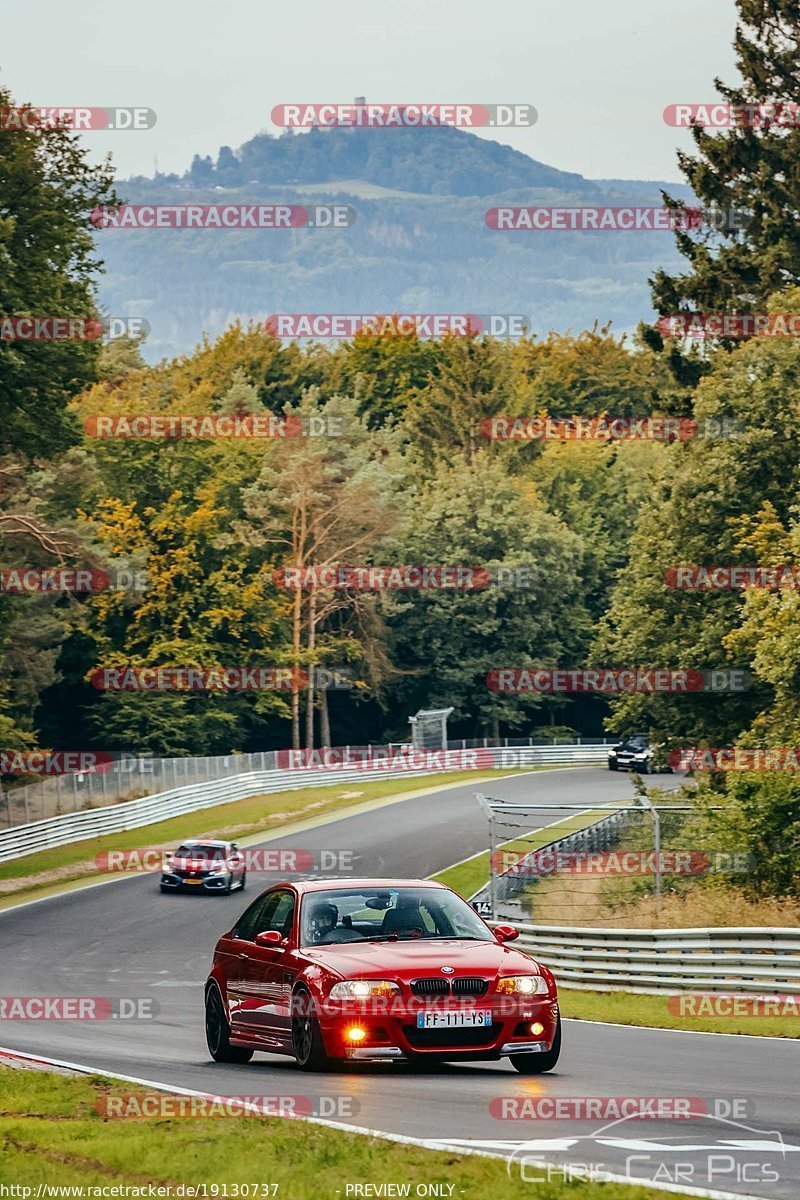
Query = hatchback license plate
x=469 y=1019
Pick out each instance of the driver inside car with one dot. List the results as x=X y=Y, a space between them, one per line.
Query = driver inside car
x=322 y=920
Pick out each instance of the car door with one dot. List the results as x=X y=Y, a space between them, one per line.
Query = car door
x=236 y=950
x=265 y=975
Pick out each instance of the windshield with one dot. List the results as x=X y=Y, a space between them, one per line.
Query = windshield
x=214 y=852
x=381 y=913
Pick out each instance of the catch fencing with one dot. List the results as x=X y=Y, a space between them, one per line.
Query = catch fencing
x=130 y=776
x=24 y=839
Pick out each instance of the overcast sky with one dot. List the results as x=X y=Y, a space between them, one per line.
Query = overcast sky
x=600 y=74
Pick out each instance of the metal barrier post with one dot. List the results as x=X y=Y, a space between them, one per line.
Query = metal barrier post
x=487 y=808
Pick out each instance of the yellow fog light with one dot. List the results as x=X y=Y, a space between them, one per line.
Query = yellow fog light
x=537 y=1028
x=356 y=1034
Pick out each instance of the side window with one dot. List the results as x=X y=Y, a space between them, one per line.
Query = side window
x=256 y=917
x=280 y=917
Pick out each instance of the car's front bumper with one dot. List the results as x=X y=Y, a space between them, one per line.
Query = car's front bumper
x=393 y=1035
x=206 y=883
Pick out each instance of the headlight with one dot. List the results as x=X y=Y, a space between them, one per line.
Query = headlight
x=523 y=985
x=612 y=754
x=362 y=989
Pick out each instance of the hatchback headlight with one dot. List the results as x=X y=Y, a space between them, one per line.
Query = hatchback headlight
x=363 y=989
x=523 y=985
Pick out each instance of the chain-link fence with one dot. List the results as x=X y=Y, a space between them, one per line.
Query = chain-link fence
x=127 y=778
x=597 y=866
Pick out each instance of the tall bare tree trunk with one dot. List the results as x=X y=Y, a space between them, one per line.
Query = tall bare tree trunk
x=296 y=620
x=324 y=720
x=312 y=639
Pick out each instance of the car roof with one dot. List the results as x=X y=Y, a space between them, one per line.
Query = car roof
x=350 y=885
x=202 y=842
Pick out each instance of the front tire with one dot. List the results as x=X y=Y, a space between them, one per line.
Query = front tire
x=307 y=1045
x=537 y=1064
x=218 y=1032
x=612 y=766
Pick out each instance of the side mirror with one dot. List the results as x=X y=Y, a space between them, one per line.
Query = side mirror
x=506 y=933
x=270 y=937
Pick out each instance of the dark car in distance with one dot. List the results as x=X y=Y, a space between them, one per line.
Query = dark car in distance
x=638 y=753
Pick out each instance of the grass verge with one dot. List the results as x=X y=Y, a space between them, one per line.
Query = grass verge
x=626 y=1008
x=52 y=1133
x=54 y=870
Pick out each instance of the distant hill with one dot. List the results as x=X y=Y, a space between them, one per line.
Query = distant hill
x=420 y=241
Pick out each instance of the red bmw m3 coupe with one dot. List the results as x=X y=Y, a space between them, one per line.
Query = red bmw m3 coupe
x=377 y=970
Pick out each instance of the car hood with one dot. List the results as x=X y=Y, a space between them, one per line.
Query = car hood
x=408 y=959
x=197 y=864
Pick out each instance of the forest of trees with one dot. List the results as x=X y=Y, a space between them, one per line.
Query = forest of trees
x=595 y=524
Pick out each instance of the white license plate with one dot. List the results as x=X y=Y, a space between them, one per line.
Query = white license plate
x=469 y=1019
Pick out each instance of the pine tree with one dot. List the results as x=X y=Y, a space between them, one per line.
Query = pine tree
x=754 y=167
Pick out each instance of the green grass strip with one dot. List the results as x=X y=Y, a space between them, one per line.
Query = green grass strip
x=51 y=1132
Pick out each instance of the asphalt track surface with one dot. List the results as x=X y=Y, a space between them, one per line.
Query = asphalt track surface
x=125 y=939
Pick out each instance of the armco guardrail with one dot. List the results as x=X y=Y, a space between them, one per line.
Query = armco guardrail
x=766 y=961
x=129 y=776
x=27 y=839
